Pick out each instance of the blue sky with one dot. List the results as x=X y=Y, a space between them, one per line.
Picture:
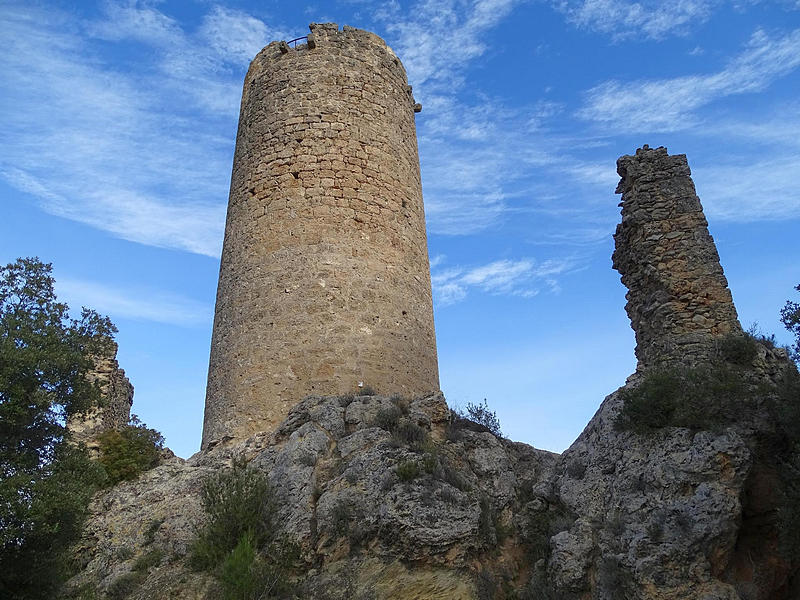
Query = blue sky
x=118 y=122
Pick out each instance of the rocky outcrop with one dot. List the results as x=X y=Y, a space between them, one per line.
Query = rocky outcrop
x=678 y=297
x=382 y=490
x=681 y=487
x=116 y=400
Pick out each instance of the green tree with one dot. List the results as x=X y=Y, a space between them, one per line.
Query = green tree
x=45 y=484
x=790 y=317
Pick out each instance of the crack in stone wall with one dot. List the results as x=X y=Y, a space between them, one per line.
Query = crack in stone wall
x=324 y=279
x=678 y=296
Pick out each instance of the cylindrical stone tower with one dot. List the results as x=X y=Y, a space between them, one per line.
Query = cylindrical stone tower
x=324 y=282
x=678 y=297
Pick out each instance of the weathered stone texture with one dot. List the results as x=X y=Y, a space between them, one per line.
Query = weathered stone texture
x=678 y=298
x=115 y=411
x=324 y=280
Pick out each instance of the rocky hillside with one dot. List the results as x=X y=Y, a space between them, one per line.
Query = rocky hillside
x=392 y=499
x=684 y=485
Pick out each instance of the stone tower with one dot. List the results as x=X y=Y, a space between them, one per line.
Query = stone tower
x=324 y=282
x=678 y=297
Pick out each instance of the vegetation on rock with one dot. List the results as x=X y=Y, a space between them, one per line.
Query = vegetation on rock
x=45 y=356
x=790 y=317
x=45 y=482
x=238 y=544
x=128 y=452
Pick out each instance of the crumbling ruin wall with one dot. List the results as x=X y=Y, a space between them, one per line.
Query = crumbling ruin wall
x=115 y=411
x=678 y=297
x=324 y=280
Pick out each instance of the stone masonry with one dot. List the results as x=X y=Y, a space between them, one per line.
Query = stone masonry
x=324 y=280
x=117 y=398
x=678 y=297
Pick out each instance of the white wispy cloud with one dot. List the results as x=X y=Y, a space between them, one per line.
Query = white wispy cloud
x=623 y=19
x=671 y=104
x=751 y=191
x=438 y=38
x=525 y=277
x=144 y=152
x=138 y=304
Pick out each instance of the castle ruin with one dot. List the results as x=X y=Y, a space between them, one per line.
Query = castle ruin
x=324 y=280
x=678 y=298
x=114 y=412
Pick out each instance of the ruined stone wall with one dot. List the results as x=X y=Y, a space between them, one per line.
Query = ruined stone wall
x=324 y=280
x=678 y=298
x=117 y=398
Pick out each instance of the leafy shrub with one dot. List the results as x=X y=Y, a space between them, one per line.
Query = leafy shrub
x=407 y=470
x=737 y=348
x=240 y=505
x=709 y=397
x=152 y=530
x=45 y=483
x=790 y=317
x=410 y=434
x=41 y=516
x=244 y=575
x=127 y=453
x=481 y=414
x=388 y=418
x=366 y=390
x=477 y=417
x=125 y=585
x=401 y=402
x=237 y=576
x=148 y=560
x=238 y=501
x=430 y=463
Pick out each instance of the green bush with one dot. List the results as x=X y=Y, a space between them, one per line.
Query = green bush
x=790 y=317
x=238 y=543
x=739 y=349
x=244 y=575
x=481 y=414
x=710 y=397
x=477 y=417
x=128 y=452
x=237 y=573
x=146 y=561
x=40 y=518
x=407 y=470
x=388 y=418
x=410 y=435
x=238 y=501
x=125 y=585
x=45 y=483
